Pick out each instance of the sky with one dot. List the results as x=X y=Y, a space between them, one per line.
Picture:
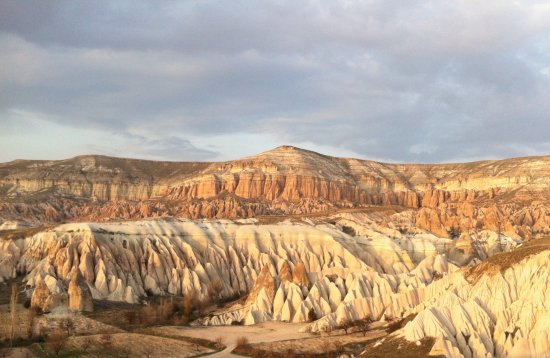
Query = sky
x=388 y=80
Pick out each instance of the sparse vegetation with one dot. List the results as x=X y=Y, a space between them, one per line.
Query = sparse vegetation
x=502 y=261
x=345 y=324
x=176 y=311
x=242 y=342
x=215 y=289
x=67 y=325
x=400 y=348
x=311 y=315
x=220 y=342
x=86 y=345
x=364 y=325
x=349 y=230
x=188 y=305
x=56 y=341
x=437 y=276
x=398 y=324
x=454 y=233
x=16 y=234
x=313 y=348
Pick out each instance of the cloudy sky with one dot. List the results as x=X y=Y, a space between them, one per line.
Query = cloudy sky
x=407 y=81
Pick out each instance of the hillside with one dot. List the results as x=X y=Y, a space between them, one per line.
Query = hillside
x=509 y=195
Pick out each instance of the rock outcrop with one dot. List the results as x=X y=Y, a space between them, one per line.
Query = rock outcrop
x=289 y=269
x=80 y=297
x=504 y=313
x=510 y=196
x=307 y=272
x=48 y=294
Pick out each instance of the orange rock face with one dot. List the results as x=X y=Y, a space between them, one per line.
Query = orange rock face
x=510 y=196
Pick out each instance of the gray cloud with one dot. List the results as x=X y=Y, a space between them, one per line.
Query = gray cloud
x=429 y=81
x=164 y=148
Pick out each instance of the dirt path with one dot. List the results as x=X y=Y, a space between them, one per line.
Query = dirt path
x=225 y=353
x=265 y=332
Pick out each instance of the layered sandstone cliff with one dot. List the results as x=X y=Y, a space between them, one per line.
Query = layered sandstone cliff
x=510 y=196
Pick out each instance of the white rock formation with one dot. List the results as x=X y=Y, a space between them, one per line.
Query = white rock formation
x=295 y=271
x=498 y=315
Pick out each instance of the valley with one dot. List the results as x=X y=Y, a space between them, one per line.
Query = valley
x=288 y=253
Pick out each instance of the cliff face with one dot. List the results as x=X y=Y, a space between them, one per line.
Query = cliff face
x=508 y=195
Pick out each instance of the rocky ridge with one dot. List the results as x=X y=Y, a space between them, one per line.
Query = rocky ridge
x=340 y=268
x=126 y=261
x=510 y=196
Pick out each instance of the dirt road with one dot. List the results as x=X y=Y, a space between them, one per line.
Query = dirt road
x=265 y=332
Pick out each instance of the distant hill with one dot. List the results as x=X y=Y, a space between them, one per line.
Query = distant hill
x=512 y=194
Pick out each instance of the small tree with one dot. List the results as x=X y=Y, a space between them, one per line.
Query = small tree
x=30 y=328
x=150 y=314
x=13 y=311
x=454 y=233
x=56 y=342
x=68 y=325
x=364 y=324
x=346 y=324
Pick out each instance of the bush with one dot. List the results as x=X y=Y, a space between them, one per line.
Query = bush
x=242 y=342
x=189 y=304
x=166 y=310
x=219 y=342
x=349 y=230
x=86 y=345
x=27 y=303
x=131 y=317
x=106 y=340
x=68 y=325
x=311 y=315
x=56 y=342
x=437 y=276
x=215 y=289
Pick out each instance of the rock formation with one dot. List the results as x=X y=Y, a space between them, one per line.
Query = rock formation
x=332 y=269
x=510 y=196
x=505 y=313
x=337 y=239
x=80 y=297
x=48 y=294
x=280 y=265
